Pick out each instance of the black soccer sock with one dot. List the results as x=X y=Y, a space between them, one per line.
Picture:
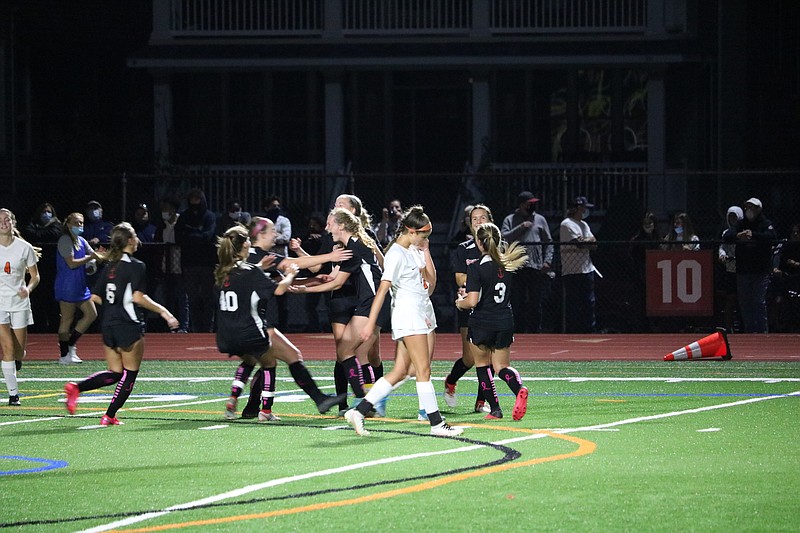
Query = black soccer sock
x=243 y=372
x=486 y=385
x=73 y=337
x=304 y=380
x=366 y=373
x=99 y=379
x=458 y=370
x=512 y=379
x=63 y=348
x=377 y=372
x=352 y=370
x=256 y=387
x=340 y=382
x=122 y=392
x=268 y=376
x=364 y=407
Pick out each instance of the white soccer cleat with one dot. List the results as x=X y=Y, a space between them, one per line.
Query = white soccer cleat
x=445 y=430
x=72 y=354
x=356 y=419
x=450 y=395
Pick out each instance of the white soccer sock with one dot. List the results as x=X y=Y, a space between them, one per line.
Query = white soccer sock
x=379 y=391
x=427 y=397
x=10 y=375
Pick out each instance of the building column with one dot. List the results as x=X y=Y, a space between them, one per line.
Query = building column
x=162 y=118
x=481 y=119
x=665 y=192
x=334 y=124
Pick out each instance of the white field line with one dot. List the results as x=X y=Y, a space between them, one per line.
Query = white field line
x=332 y=471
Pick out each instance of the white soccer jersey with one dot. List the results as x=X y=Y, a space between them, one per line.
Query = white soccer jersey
x=412 y=310
x=15 y=259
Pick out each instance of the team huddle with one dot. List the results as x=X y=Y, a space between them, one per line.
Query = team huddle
x=367 y=289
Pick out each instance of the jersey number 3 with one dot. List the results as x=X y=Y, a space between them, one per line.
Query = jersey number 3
x=500 y=294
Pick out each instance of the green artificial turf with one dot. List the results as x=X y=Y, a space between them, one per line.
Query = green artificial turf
x=605 y=446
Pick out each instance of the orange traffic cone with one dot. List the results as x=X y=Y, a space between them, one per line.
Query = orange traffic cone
x=714 y=345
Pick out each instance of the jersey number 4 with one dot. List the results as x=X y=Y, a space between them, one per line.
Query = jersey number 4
x=228 y=301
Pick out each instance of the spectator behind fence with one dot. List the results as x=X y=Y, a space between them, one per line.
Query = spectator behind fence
x=647 y=238
x=529 y=228
x=233 y=215
x=43 y=228
x=171 y=290
x=386 y=228
x=786 y=282
x=44 y=225
x=145 y=230
x=196 y=235
x=682 y=235
x=283 y=226
x=310 y=242
x=754 y=237
x=96 y=230
x=726 y=256
x=577 y=269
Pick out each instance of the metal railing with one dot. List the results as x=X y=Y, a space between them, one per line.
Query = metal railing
x=311 y=18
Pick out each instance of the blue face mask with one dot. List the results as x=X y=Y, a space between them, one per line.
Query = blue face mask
x=678 y=230
x=46 y=217
x=76 y=230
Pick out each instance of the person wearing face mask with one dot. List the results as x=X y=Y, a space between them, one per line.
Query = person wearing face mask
x=170 y=289
x=96 y=231
x=145 y=230
x=682 y=235
x=577 y=269
x=727 y=261
x=75 y=256
x=195 y=233
x=532 y=231
x=44 y=226
x=754 y=237
x=273 y=211
x=233 y=215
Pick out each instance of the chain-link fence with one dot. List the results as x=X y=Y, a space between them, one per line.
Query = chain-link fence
x=621 y=201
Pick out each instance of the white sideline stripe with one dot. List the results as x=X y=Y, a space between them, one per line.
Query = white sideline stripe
x=280 y=481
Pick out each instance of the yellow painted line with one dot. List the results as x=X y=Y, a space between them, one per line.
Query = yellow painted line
x=585 y=447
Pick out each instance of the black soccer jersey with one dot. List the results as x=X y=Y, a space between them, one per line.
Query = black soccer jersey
x=365 y=274
x=115 y=285
x=240 y=326
x=465 y=254
x=495 y=286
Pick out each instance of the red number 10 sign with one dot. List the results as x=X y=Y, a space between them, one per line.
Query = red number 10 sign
x=680 y=283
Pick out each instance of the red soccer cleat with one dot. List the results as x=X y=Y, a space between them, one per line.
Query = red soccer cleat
x=109 y=421
x=72 y=392
x=521 y=405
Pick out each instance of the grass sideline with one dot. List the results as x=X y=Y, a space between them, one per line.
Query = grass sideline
x=605 y=446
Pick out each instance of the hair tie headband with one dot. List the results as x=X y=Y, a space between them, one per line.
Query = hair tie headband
x=259 y=226
x=427 y=227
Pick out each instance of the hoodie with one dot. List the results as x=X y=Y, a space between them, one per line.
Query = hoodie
x=726 y=250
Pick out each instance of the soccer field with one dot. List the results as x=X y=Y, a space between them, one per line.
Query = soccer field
x=605 y=446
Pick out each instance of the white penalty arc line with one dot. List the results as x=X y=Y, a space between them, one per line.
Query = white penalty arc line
x=280 y=481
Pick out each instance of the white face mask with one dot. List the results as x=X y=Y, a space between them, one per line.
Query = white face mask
x=585 y=214
x=235 y=215
x=166 y=215
x=750 y=214
x=96 y=213
x=649 y=228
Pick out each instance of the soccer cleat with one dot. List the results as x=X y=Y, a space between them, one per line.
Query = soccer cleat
x=66 y=360
x=14 y=400
x=481 y=407
x=248 y=413
x=380 y=408
x=329 y=402
x=450 y=395
x=356 y=419
x=494 y=415
x=72 y=392
x=444 y=429
x=230 y=408
x=422 y=416
x=520 y=405
x=267 y=416
x=109 y=421
x=72 y=353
